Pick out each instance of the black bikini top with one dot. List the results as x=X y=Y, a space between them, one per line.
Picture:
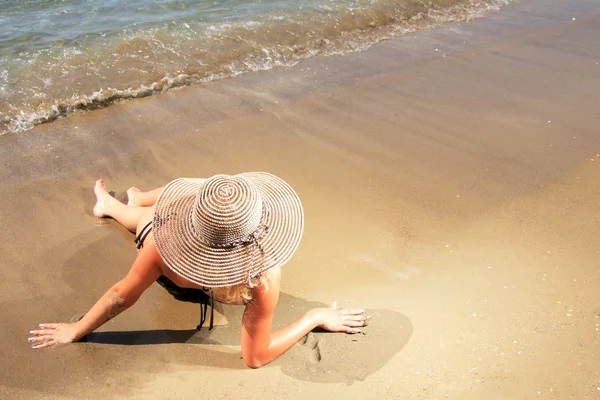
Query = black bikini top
x=182 y=294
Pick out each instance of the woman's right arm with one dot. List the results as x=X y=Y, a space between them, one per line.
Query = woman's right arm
x=118 y=298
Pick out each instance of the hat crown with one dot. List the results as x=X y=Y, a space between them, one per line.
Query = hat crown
x=228 y=208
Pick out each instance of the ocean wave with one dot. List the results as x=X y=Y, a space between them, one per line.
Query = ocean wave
x=101 y=69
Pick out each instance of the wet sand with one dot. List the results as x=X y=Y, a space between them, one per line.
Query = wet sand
x=450 y=185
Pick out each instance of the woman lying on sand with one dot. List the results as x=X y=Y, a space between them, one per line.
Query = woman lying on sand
x=227 y=236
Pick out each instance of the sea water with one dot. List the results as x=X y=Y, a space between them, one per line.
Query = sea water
x=60 y=56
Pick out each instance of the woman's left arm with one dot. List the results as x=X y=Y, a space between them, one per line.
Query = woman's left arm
x=117 y=299
x=260 y=345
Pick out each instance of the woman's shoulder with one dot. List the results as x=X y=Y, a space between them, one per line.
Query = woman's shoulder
x=267 y=292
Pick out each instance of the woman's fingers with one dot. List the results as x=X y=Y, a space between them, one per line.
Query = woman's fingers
x=43 y=345
x=37 y=339
x=349 y=321
x=357 y=320
x=44 y=329
x=41 y=341
x=355 y=317
x=352 y=312
x=354 y=330
x=41 y=338
x=48 y=335
x=356 y=323
x=359 y=317
x=41 y=332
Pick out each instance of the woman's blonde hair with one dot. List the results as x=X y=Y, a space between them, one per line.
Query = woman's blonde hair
x=242 y=293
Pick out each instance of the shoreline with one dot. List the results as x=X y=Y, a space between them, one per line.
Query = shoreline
x=200 y=58
x=453 y=197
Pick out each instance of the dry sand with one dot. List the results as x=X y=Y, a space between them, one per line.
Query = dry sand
x=451 y=187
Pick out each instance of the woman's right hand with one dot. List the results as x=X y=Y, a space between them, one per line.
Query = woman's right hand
x=334 y=319
x=53 y=334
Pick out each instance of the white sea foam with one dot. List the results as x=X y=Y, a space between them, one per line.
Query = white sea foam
x=144 y=58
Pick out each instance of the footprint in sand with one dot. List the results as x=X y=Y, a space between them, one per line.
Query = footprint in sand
x=310 y=346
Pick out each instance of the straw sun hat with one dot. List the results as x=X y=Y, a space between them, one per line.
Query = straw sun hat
x=227 y=229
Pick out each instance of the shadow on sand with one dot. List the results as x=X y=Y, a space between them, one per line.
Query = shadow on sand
x=320 y=356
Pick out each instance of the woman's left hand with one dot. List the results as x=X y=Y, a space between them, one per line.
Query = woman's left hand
x=337 y=320
x=53 y=334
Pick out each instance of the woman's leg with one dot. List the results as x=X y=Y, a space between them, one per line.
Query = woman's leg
x=144 y=199
x=108 y=206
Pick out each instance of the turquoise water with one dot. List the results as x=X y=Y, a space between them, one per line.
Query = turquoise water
x=57 y=57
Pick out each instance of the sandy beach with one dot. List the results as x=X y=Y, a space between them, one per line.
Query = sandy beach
x=450 y=181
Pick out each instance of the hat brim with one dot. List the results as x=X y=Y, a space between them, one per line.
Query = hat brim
x=191 y=258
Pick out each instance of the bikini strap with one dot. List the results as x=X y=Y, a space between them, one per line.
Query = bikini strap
x=204 y=308
x=139 y=239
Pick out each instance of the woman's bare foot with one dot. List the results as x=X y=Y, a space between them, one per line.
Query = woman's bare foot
x=103 y=199
x=132 y=198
